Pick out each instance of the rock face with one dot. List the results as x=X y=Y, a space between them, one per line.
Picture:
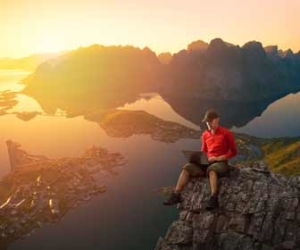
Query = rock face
x=257 y=210
x=227 y=72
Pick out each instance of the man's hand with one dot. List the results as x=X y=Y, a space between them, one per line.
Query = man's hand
x=212 y=159
x=218 y=158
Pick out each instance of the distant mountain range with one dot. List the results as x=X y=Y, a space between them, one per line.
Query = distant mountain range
x=215 y=71
x=27 y=63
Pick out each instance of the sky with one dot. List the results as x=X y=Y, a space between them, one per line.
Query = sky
x=35 y=26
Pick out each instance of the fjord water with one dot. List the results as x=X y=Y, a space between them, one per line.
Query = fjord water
x=130 y=214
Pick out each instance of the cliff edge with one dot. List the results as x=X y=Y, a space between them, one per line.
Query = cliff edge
x=257 y=210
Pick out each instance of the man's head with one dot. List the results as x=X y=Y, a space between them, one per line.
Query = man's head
x=211 y=118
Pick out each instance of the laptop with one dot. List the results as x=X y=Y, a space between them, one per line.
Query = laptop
x=197 y=157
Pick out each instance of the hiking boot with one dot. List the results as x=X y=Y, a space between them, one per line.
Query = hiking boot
x=212 y=203
x=173 y=199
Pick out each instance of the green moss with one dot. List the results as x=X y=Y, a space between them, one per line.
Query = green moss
x=282 y=155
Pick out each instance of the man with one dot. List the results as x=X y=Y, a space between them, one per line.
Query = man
x=219 y=145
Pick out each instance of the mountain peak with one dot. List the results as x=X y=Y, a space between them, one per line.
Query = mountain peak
x=288 y=53
x=197 y=46
x=271 y=49
x=217 y=44
x=252 y=45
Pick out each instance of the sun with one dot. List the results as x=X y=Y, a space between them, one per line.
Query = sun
x=49 y=44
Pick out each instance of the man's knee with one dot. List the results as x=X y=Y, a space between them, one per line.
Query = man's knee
x=212 y=173
x=193 y=170
x=185 y=172
x=218 y=168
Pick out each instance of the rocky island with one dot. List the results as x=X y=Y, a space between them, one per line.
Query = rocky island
x=125 y=123
x=41 y=190
x=7 y=101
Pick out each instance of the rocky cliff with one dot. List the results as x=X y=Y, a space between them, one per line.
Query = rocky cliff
x=223 y=71
x=258 y=210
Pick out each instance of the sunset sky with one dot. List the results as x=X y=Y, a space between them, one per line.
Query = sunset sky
x=31 y=26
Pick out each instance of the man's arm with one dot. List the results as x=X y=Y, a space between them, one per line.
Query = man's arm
x=232 y=151
x=204 y=146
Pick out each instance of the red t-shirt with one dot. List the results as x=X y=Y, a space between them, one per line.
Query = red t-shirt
x=220 y=143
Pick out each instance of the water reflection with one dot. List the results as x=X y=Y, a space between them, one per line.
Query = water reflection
x=184 y=109
x=25 y=104
x=155 y=105
x=236 y=114
x=26 y=116
x=92 y=105
x=280 y=119
x=10 y=79
x=69 y=122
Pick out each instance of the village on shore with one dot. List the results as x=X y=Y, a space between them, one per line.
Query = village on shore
x=41 y=190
